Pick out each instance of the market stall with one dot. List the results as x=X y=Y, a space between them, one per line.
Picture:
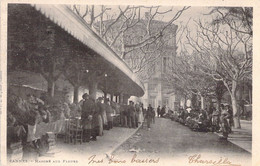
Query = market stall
x=43 y=39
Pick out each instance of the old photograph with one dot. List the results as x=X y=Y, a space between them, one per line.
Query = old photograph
x=129 y=85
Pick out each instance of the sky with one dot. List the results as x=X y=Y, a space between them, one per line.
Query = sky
x=187 y=17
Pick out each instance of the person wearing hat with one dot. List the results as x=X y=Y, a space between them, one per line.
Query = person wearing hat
x=88 y=108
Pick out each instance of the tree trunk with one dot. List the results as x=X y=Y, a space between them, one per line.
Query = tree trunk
x=202 y=100
x=236 y=112
x=185 y=102
x=218 y=104
x=51 y=87
x=105 y=97
x=76 y=94
x=93 y=89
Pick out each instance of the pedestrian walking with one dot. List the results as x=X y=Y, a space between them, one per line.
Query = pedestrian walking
x=158 y=111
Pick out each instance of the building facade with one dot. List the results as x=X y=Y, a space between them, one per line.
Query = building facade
x=158 y=92
x=152 y=65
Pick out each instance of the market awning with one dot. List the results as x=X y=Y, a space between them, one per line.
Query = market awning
x=75 y=26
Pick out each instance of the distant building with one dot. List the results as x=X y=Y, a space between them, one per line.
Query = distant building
x=157 y=90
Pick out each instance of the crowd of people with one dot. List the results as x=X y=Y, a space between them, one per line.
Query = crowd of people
x=101 y=114
x=97 y=115
x=214 y=120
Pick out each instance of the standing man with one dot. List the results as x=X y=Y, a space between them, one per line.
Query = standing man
x=131 y=113
x=158 y=111
x=88 y=108
x=149 y=116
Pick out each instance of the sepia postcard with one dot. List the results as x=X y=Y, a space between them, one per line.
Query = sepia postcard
x=171 y=83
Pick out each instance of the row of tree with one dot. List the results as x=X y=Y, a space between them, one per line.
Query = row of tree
x=217 y=57
x=46 y=50
x=136 y=33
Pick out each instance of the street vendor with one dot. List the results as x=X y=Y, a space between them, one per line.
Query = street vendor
x=88 y=108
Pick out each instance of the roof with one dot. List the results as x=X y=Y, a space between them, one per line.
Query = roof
x=65 y=18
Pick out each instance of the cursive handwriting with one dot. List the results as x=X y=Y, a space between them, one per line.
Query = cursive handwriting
x=144 y=160
x=113 y=160
x=197 y=159
x=92 y=160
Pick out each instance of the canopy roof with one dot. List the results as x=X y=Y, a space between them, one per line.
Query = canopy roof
x=120 y=78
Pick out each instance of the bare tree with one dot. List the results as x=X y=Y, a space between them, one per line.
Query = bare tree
x=239 y=19
x=185 y=75
x=136 y=38
x=225 y=55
